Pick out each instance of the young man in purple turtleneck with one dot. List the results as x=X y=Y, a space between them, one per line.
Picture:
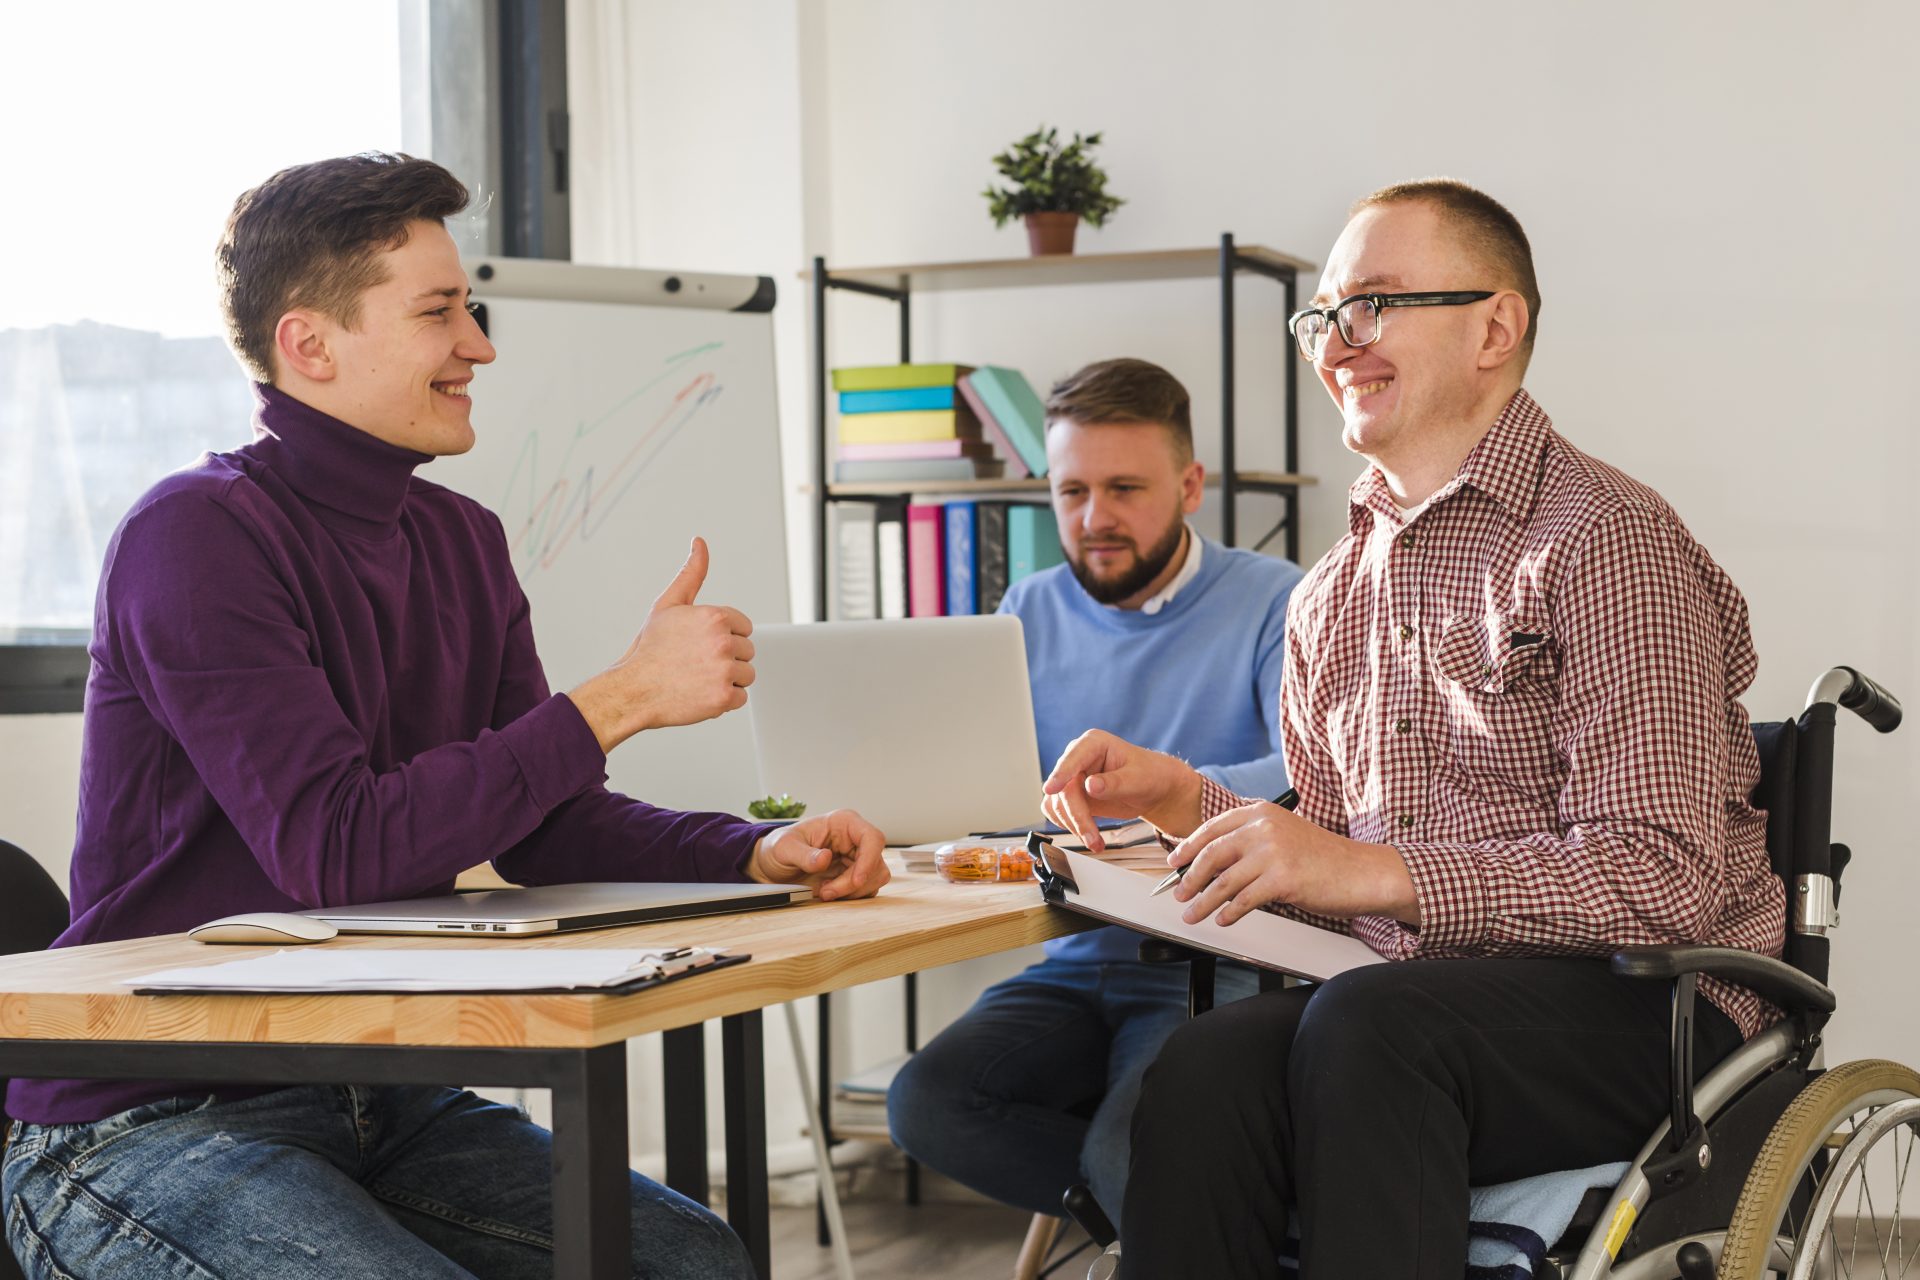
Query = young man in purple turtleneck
x=314 y=683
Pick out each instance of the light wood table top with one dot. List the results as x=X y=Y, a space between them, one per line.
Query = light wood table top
x=917 y=922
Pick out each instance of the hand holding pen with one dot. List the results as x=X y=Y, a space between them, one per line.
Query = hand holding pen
x=1289 y=800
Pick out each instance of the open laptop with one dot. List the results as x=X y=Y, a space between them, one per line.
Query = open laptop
x=925 y=725
x=556 y=908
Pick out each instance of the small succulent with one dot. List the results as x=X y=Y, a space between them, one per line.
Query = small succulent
x=1050 y=177
x=774 y=808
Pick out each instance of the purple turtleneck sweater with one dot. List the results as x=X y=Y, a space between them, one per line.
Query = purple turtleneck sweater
x=314 y=683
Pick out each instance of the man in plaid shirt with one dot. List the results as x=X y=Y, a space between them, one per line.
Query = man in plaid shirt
x=1511 y=707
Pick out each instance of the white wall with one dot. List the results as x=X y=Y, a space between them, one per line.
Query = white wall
x=1719 y=197
x=40 y=786
x=694 y=127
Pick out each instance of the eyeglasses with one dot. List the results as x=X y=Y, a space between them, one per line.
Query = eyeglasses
x=1359 y=316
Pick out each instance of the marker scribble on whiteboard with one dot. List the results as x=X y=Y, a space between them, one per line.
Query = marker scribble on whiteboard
x=601 y=460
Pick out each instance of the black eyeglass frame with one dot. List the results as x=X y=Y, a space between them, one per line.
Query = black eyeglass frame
x=1380 y=301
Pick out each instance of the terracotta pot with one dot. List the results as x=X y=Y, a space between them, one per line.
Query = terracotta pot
x=1051 y=232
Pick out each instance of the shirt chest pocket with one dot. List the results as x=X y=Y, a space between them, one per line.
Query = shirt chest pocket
x=1497 y=680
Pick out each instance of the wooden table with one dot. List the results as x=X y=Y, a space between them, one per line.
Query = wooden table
x=66 y=1014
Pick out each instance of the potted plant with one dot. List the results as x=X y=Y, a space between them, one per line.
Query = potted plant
x=1054 y=187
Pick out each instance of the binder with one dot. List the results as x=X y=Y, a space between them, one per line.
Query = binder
x=1263 y=940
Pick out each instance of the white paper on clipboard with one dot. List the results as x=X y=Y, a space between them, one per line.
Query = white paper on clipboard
x=1261 y=938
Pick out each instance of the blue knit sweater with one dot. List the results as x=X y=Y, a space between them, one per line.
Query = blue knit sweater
x=1199 y=679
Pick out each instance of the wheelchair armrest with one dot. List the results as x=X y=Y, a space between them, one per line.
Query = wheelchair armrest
x=1776 y=980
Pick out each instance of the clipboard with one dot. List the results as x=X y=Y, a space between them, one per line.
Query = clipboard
x=1263 y=940
x=207 y=980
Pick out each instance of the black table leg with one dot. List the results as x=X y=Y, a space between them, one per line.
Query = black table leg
x=592 y=1206
x=913 y=1046
x=824 y=1099
x=684 y=1071
x=744 y=1091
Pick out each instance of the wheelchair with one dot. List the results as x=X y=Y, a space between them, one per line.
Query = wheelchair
x=1772 y=1164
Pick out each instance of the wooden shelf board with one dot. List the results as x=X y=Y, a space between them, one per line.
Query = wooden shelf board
x=973 y=488
x=1063 y=268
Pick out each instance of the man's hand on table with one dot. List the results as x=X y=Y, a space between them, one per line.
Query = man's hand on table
x=1261 y=853
x=1102 y=776
x=838 y=853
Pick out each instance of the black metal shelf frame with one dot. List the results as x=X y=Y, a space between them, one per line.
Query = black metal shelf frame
x=1232 y=262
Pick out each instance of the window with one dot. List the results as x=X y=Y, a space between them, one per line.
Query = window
x=129 y=129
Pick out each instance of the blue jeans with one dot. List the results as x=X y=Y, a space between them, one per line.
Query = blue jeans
x=319 y=1181
x=1032 y=1089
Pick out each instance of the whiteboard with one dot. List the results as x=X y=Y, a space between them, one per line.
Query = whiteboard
x=609 y=434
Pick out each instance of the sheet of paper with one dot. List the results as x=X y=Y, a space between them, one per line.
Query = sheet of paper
x=318 y=969
x=1261 y=938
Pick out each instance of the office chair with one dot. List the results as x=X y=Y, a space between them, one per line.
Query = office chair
x=33 y=912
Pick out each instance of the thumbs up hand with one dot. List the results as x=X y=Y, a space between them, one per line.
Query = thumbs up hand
x=690 y=662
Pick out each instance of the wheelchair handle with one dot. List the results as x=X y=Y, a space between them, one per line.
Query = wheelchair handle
x=1860 y=694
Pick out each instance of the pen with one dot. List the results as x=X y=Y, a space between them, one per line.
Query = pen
x=1289 y=800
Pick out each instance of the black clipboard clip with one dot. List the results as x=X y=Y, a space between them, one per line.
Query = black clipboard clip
x=1055 y=882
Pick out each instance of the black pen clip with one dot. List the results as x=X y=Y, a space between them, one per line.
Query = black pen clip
x=1055 y=883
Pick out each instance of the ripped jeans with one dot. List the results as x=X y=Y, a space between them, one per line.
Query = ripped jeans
x=318 y=1181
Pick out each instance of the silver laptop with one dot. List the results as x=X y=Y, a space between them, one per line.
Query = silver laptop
x=925 y=725
x=556 y=908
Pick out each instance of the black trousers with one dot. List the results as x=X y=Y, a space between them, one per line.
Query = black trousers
x=1372 y=1102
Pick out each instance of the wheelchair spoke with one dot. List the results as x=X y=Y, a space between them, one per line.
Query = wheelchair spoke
x=1873 y=1217
x=1899 y=1191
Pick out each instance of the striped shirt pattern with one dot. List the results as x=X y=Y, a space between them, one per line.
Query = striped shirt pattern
x=1531 y=690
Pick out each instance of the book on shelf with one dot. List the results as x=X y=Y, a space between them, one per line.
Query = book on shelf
x=1011 y=403
x=1033 y=541
x=990 y=428
x=894 y=377
x=962 y=585
x=954 y=555
x=926 y=562
x=871 y=1083
x=853 y=576
x=911 y=426
x=915 y=451
x=916 y=472
x=896 y=400
x=990 y=554
x=890 y=557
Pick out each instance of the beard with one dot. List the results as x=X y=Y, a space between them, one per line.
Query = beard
x=1145 y=568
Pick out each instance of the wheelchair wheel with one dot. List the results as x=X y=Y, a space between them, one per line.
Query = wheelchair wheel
x=1835 y=1191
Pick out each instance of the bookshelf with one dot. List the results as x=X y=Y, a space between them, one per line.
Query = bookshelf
x=899 y=285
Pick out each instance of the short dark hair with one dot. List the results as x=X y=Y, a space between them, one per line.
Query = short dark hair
x=1487 y=228
x=311 y=236
x=1126 y=390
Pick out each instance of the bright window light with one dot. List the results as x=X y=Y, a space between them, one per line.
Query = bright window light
x=129 y=129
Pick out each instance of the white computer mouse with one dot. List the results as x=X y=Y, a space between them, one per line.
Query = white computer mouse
x=264 y=926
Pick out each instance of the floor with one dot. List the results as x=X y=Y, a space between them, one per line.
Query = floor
x=892 y=1241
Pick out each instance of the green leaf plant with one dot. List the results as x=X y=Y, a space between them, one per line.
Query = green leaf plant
x=1051 y=178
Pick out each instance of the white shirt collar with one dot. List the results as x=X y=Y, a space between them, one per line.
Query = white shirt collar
x=1188 y=570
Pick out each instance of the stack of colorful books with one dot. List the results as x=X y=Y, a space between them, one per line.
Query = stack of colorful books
x=913 y=423
x=922 y=426
x=906 y=423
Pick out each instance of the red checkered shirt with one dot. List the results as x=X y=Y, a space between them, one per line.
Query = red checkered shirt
x=1531 y=689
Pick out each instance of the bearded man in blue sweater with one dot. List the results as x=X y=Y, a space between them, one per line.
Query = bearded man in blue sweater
x=1179 y=639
